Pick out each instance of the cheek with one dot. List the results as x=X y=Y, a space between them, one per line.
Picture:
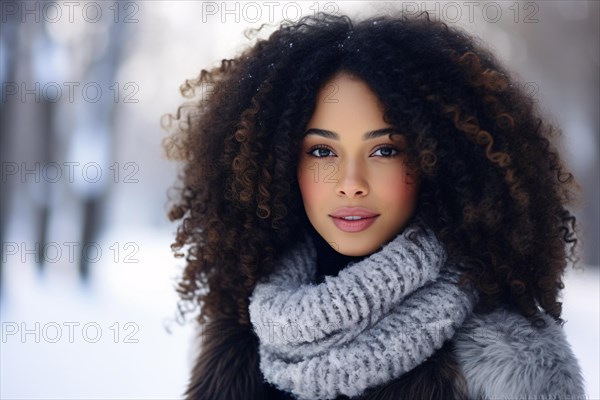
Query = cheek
x=309 y=185
x=397 y=187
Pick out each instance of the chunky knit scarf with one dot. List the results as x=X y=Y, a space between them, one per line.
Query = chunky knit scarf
x=377 y=319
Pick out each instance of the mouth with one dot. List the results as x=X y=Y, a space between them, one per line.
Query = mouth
x=353 y=223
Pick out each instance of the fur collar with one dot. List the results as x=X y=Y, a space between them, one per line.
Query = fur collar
x=503 y=356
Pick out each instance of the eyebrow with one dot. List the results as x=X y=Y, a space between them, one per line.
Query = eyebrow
x=366 y=136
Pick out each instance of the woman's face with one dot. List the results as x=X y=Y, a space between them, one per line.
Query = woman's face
x=348 y=160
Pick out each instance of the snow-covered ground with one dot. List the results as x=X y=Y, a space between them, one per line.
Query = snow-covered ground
x=109 y=340
x=114 y=343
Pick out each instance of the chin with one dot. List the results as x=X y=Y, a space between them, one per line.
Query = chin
x=357 y=254
x=354 y=251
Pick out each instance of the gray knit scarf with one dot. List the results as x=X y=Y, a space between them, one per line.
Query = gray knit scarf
x=377 y=319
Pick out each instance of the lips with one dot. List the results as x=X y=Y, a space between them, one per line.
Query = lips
x=357 y=225
x=353 y=212
x=359 y=218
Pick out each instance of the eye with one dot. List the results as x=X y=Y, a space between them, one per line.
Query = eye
x=388 y=152
x=320 y=150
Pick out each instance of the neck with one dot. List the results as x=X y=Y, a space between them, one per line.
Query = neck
x=329 y=261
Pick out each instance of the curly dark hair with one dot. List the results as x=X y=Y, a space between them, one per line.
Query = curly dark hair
x=493 y=187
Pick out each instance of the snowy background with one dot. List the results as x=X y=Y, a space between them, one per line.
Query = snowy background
x=82 y=165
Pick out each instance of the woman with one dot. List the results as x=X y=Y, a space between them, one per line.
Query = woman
x=372 y=210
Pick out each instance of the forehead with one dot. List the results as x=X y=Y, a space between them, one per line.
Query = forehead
x=346 y=104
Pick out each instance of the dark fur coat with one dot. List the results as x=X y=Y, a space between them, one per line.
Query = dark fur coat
x=498 y=355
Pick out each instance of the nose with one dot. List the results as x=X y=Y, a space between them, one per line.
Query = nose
x=351 y=180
